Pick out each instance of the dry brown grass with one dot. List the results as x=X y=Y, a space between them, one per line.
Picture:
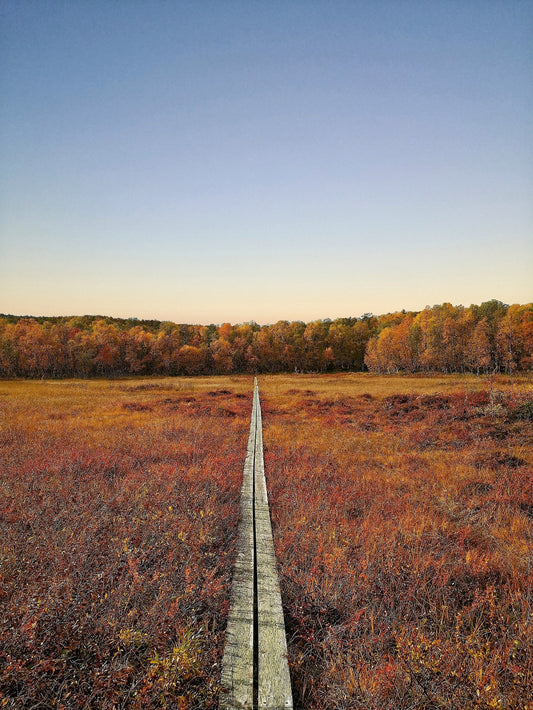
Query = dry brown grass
x=402 y=512
x=118 y=513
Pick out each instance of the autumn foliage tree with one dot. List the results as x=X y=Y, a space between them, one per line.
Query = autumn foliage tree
x=442 y=338
x=450 y=338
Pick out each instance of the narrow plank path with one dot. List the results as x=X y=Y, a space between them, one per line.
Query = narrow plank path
x=255 y=673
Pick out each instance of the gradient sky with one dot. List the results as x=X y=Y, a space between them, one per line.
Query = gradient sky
x=222 y=160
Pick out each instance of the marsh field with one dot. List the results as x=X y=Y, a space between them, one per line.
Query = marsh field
x=402 y=510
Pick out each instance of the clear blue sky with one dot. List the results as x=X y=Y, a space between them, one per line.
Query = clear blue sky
x=213 y=161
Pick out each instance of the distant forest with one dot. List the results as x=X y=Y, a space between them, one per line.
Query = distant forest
x=444 y=338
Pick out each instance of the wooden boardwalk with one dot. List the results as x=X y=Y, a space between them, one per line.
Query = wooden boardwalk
x=255 y=673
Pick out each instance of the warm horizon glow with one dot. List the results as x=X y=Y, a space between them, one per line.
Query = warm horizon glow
x=230 y=162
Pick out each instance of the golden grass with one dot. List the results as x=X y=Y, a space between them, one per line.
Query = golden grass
x=118 y=513
x=358 y=383
x=401 y=508
x=402 y=521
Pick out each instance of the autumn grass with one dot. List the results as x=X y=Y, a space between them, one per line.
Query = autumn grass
x=402 y=512
x=358 y=383
x=402 y=522
x=118 y=514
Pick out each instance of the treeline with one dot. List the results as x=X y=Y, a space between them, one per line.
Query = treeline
x=445 y=338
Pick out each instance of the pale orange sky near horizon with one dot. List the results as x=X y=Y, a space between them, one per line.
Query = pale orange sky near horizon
x=238 y=162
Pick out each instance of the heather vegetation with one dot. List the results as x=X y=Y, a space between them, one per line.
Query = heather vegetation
x=402 y=511
x=401 y=507
x=444 y=338
x=118 y=518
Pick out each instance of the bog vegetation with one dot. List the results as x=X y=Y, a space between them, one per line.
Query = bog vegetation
x=118 y=518
x=402 y=512
x=445 y=338
x=401 y=506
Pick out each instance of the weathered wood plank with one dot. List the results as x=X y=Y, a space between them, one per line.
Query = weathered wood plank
x=255 y=621
x=274 y=683
x=238 y=663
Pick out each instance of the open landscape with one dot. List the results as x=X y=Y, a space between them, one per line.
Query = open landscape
x=402 y=514
x=401 y=510
x=266 y=355
x=118 y=516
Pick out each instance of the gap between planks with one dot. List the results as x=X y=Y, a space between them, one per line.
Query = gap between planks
x=255 y=673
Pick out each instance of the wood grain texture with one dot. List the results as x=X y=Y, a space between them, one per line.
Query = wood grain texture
x=238 y=663
x=255 y=590
x=274 y=683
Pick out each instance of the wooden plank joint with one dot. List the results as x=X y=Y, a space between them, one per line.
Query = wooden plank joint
x=255 y=672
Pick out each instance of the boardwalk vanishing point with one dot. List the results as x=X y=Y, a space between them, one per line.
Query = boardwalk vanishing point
x=255 y=673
